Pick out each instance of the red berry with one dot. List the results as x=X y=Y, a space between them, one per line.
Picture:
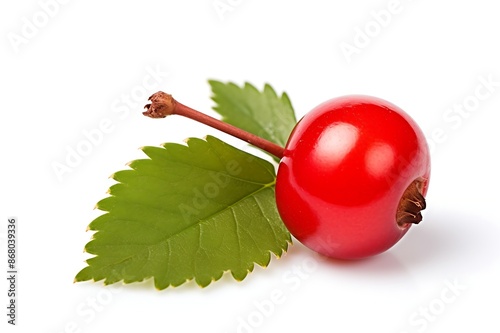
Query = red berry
x=353 y=176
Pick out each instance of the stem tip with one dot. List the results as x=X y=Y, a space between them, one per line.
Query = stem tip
x=161 y=105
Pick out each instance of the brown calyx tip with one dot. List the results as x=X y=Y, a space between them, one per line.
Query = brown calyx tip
x=411 y=204
x=161 y=105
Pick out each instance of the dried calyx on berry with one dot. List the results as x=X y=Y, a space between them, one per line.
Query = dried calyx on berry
x=411 y=204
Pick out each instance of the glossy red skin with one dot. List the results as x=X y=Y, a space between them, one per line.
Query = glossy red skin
x=344 y=170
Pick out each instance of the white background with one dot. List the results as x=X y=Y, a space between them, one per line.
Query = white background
x=74 y=68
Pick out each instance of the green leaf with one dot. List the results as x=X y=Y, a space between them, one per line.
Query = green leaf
x=262 y=113
x=188 y=212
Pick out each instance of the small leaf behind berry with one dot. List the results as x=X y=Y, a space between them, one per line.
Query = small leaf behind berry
x=188 y=212
x=262 y=113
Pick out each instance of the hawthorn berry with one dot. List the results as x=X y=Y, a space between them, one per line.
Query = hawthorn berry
x=352 y=176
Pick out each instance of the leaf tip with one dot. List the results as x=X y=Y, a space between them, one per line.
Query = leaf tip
x=212 y=81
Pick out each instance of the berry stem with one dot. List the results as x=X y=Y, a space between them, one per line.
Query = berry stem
x=163 y=105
